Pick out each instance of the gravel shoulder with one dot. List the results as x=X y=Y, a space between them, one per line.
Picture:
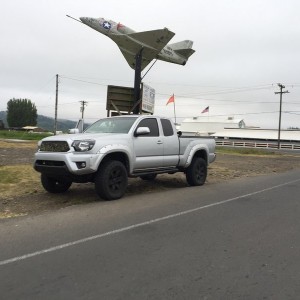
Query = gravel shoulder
x=34 y=200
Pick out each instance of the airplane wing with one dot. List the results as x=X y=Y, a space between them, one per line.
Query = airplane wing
x=156 y=39
x=130 y=58
x=152 y=43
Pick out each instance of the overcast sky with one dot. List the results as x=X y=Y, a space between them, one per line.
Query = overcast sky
x=243 y=49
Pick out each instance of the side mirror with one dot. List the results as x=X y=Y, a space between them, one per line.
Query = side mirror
x=74 y=130
x=142 y=131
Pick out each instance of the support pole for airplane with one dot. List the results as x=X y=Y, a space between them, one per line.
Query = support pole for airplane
x=137 y=80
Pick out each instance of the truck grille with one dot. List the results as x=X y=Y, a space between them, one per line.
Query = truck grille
x=55 y=146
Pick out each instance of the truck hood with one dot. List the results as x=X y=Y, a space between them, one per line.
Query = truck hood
x=86 y=136
x=102 y=139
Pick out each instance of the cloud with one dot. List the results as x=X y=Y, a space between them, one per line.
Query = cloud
x=238 y=44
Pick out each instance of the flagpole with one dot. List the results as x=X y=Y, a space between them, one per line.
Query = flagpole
x=174 y=110
x=172 y=99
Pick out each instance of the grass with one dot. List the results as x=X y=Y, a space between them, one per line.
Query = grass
x=18 y=180
x=22 y=135
x=244 y=151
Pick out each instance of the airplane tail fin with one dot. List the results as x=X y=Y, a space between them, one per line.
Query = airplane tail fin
x=183 y=48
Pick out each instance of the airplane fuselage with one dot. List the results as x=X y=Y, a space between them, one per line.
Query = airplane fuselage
x=114 y=30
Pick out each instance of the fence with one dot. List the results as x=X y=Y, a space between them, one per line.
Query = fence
x=257 y=145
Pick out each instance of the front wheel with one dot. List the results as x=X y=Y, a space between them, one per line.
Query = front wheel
x=111 y=180
x=55 y=185
x=196 y=172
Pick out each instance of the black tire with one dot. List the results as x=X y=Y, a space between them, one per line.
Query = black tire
x=111 y=180
x=55 y=185
x=148 y=177
x=196 y=172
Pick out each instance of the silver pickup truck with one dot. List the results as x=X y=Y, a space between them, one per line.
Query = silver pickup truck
x=115 y=148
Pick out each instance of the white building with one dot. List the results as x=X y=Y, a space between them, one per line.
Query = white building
x=209 y=125
x=259 y=134
x=230 y=128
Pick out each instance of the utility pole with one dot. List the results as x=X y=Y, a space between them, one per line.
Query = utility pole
x=83 y=104
x=281 y=86
x=56 y=103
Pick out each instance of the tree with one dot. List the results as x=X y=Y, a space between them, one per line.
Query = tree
x=21 y=112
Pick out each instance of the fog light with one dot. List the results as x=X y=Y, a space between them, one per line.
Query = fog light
x=81 y=164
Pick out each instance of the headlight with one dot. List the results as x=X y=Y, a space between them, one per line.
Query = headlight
x=85 y=145
x=39 y=145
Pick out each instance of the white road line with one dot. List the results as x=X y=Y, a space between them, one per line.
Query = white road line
x=99 y=236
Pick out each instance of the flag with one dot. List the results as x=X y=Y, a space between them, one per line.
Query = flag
x=205 y=110
x=172 y=99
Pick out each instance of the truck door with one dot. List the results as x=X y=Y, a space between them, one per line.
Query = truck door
x=148 y=148
x=171 y=144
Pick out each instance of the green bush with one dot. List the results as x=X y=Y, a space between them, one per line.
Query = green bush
x=22 y=135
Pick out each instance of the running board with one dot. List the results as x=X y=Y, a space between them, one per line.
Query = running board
x=138 y=173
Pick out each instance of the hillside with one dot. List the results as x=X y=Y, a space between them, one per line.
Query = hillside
x=46 y=122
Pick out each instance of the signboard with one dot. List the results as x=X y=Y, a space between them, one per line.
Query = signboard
x=148 y=98
x=120 y=99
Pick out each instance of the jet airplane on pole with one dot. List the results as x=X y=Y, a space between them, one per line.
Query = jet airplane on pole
x=154 y=42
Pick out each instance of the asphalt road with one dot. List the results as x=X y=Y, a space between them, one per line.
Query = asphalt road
x=234 y=240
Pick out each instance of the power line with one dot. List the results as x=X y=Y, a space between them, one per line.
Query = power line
x=80 y=80
x=231 y=91
x=223 y=91
x=217 y=92
x=196 y=96
x=84 y=81
x=218 y=100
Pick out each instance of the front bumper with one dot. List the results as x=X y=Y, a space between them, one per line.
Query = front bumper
x=66 y=163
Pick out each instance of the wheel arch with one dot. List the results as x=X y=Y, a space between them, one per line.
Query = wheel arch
x=201 y=152
x=118 y=156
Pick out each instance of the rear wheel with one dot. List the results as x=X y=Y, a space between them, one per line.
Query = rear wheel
x=55 y=185
x=197 y=171
x=111 y=180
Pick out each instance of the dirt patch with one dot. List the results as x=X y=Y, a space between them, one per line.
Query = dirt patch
x=22 y=193
x=15 y=153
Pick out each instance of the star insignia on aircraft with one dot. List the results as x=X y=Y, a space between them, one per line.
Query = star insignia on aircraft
x=106 y=25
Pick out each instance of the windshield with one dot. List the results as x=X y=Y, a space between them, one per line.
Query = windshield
x=111 y=125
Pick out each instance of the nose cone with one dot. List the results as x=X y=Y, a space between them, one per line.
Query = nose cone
x=83 y=20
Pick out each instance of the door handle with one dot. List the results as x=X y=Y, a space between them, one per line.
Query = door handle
x=159 y=142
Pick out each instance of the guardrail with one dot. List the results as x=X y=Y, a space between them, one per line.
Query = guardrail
x=258 y=145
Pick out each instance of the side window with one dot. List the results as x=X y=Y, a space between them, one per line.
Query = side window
x=152 y=124
x=167 y=127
